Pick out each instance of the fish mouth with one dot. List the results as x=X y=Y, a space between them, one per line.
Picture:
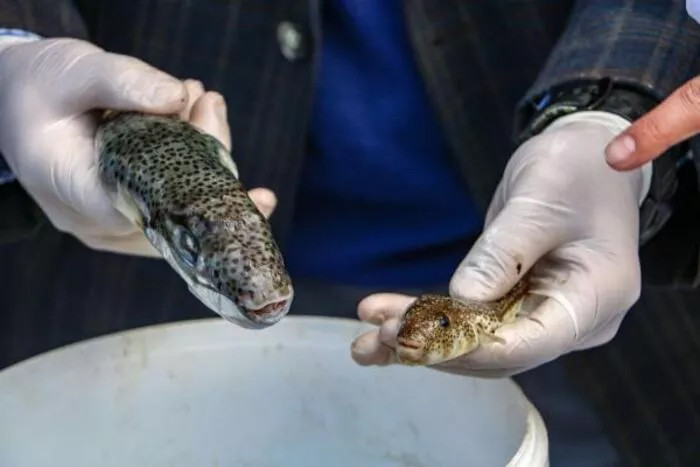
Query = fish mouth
x=225 y=307
x=269 y=313
x=409 y=343
x=409 y=351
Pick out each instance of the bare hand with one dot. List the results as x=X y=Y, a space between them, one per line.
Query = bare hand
x=674 y=120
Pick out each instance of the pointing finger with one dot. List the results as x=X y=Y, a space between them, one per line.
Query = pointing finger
x=674 y=120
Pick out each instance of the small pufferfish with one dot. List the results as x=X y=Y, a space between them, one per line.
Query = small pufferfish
x=181 y=188
x=437 y=328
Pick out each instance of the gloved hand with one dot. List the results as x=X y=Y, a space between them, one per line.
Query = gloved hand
x=562 y=211
x=48 y=91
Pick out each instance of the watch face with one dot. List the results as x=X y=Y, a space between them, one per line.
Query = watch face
x=554 y=111
x=568 y=98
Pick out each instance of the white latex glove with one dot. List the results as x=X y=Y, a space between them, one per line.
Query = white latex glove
x=48 y=91
x=562 y=211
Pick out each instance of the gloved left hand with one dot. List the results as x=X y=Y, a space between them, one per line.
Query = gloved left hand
x=561 y=210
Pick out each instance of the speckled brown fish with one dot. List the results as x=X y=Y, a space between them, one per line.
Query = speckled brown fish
x=437 y=328
x=181 y=187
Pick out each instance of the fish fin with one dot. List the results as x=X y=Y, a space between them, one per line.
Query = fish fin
x=513 y=312
x=224 y=154
x=128 y=206
x=163 y=247
x=109 y=114
x=227 y=161
x=510 y=303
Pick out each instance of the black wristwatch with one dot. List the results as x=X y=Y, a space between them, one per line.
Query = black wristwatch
x=629 y=103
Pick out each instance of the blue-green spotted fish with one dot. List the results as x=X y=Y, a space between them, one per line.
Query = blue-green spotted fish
x=181 y=187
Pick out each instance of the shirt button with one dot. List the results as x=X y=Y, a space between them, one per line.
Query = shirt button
x=291 y=41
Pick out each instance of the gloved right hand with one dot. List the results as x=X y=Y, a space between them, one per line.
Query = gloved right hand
x=48 y=91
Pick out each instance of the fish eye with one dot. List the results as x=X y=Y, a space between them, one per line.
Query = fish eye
x=444 y=321
x=187 y=246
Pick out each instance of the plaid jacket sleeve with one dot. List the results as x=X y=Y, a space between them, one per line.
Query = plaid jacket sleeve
x=47 y=18
x=651 y=44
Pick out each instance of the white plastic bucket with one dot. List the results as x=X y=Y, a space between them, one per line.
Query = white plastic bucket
x=207 y=393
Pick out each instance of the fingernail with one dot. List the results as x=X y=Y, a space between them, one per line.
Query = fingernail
x=620 y=149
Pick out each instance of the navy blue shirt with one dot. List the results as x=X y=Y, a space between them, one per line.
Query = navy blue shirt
x=381 y=203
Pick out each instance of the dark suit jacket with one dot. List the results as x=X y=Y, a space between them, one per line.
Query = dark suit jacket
x=482 y=62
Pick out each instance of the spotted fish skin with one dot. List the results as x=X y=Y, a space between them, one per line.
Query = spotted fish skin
x=181 y=188
x=437 y=328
